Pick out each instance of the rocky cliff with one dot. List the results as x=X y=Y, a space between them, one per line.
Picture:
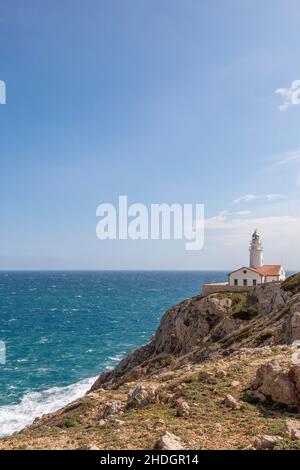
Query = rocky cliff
x=203 y=329
x=221 y=371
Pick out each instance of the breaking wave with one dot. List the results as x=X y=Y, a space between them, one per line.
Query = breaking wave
x=14 y=417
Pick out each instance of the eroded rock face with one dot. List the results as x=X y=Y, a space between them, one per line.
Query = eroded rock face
x=295 y=326
x=169 y=441
x=281 y=384
x=206 y=328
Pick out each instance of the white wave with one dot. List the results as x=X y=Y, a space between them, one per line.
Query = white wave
x=15 y=417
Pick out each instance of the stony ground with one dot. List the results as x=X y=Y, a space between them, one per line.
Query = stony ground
x=209 y=425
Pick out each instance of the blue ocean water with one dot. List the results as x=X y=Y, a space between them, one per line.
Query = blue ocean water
x=62 y=329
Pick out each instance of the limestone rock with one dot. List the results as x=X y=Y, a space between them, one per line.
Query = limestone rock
x=161 y=422
x=168 y=441
x=292 y=429
x=221 y=374
x=295 y=376
x=218 y=427
x=205 y=327
x=232 y=403
x=111 y=408
x=119 y=422
x=274 y=381
x=295 y=326
x=142 y=396
x=206 y=376
x=88 y=447
x=101 y=422
x=256 y=395
x=266 y=442
x=235 y=384
x=183 y=409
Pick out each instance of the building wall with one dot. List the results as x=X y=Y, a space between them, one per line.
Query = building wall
x=271 y=278
x=215 y=288
x=245 y=273
x=282 y=275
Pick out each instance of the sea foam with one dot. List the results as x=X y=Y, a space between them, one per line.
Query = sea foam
x=14 y=417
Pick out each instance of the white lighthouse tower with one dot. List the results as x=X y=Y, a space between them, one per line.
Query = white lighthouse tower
x=256 y=251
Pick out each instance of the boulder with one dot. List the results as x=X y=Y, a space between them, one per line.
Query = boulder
x=142 y=396
x=221 y=374
x=266 y=442
x=168 y=441
x=218 y=427
x=206 y=376
x=183 y=408
x=295 y=376
x=292 y=429
x=235 y=384
x=119 y=422
x=111 y=408
x=231 y=403
x=274 y=381
x=101 y=422
x=256 y=395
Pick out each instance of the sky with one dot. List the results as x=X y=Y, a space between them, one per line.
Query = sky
x=165 y=101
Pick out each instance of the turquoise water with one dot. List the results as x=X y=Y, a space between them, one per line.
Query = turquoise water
x=62 y=329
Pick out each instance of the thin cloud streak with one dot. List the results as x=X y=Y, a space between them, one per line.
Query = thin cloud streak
x=253 y=197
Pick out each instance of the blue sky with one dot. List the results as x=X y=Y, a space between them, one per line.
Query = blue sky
x=161 y=100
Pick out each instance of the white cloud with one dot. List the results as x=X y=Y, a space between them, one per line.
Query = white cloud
x=273 y=197
x=291 y=96
x=278 y=224
x=253 y=197
x=287 y=158
x=246 y=198
x=221 y=219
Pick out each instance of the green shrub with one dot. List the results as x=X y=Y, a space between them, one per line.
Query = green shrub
x=264 y=335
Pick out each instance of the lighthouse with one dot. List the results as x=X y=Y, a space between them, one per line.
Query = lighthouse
x=256 y=251
x=248 y=277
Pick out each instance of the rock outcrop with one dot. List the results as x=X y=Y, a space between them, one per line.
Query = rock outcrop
x=141 y=396
x=202 y=329
x=168 y=442
x=292 y=429
x=280 y=383
x=266 y=442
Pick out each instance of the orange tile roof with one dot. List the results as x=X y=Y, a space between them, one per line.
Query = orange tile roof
x=269 y=270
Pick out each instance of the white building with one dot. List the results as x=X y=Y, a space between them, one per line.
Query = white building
x=257 y=272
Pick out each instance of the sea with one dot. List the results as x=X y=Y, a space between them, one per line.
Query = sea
x=62 y=329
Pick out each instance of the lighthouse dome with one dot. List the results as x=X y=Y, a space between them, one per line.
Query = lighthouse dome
x=255 y=235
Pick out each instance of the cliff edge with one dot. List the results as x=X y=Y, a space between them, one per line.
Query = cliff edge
x=221 y=372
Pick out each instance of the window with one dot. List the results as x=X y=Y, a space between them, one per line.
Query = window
x=245 y=283
x=245 y=271
x=236 y=282
x=254 y=282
